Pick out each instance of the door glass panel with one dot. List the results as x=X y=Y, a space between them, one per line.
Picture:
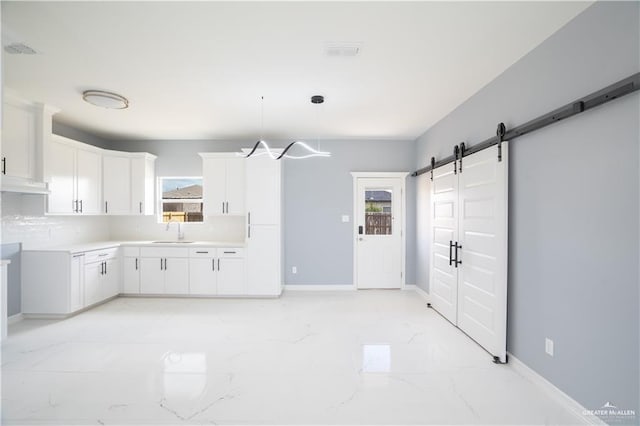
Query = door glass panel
x=377 y=213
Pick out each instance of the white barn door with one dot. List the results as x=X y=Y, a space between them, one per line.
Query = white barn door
x=470 y=210
x=444 y=231
x=482 y=282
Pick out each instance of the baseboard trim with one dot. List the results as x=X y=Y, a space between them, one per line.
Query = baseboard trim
x=550 y=389
x=422 y=293
x=15 y=318
x=319 y=287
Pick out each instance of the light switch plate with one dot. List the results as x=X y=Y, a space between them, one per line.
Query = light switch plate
x=345 y=218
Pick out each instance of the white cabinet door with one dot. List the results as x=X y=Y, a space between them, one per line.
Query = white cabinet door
x=235 y=186
x=231 y=277
x=110 y=279
x=176 y=275
x=18 y=141
x=202 y=276
x=152 y=275
x=116 y=183
x=131 y=275
x=76 y=290
x=142 y=186
x=61 y=177
x=92 y=283
x=263 y=190
x=263 y=261
x=89 y=181
x=214 y=186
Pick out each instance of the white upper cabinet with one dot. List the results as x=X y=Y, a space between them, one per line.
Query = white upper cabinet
x=263 y=190
x=18 y=140
x=116 y=183
x=25 y=127
x=143 y=184
x=223 y=177
x=84 y=179
x=74 y=173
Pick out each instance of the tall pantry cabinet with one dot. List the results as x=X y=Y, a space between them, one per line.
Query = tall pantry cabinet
x=264 y=226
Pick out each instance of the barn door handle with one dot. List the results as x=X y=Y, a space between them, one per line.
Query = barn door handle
x=451 y=252
x=457 y=262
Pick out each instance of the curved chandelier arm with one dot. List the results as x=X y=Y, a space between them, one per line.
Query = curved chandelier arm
x=312 y=152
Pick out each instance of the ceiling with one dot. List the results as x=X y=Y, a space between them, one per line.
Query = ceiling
x=198 y=70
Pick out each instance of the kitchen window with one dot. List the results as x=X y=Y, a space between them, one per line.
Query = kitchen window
x=180 y=199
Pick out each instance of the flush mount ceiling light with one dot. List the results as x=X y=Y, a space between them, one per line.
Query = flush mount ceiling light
x=104 y=99
x=310 y=152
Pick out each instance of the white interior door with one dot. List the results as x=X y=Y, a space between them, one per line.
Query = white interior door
x=444 y=233
x=483 y=201
x=379 y=233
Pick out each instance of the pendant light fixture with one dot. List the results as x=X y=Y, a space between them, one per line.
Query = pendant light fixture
x=315 y=99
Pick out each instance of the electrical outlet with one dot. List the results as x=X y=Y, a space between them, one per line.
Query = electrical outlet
x=294 y=270
x=345 y=218
x=548 y=346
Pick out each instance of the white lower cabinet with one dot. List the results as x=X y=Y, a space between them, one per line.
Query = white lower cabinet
x=131 y=270
x=164 y=270
x=62 y=282
x=217 y=271
x=101 y=276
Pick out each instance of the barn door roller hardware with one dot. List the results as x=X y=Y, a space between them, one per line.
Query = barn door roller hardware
x=609 y=93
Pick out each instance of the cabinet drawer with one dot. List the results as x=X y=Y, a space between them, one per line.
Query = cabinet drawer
x=163 y=252
x=100 y=255
x=131 y=251
x=231 y=252
x=203 y=252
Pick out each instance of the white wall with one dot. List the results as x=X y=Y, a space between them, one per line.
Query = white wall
x=23 y=220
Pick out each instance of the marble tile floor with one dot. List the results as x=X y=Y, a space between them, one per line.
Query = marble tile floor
x=366 y=357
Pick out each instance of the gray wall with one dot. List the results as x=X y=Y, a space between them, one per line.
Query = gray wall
x=319 y=191
x=70 y=132
x=14 y=290
x=574 y=194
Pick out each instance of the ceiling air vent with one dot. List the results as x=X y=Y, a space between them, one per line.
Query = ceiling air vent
x=19 y=49
x=342 y=49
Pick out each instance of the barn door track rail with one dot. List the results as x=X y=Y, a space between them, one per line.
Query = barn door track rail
x=609 y=93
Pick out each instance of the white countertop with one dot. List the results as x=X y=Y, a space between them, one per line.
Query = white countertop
x=100 y=245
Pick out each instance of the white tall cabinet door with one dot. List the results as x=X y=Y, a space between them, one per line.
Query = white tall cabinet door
x=264 y=261
x=152 y=275
x=214 y=185
x=444 y=233
x=235 y=176
x=482 y=289
x=116 y=183
x=61 y=176
x=263 y=190
x=176 y=275
x=202 y=276
x=89 y=181
x=131 y=275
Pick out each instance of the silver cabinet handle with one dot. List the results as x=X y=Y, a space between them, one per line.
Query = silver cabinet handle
x=140 y=207
x=218 y=265
x=106 y=207
x=161 y=264
x=136 y=263
x=213 y=264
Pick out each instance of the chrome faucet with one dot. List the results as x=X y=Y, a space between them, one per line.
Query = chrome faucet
x=180 y=230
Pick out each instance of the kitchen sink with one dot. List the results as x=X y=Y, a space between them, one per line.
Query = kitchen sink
x=172 y=242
